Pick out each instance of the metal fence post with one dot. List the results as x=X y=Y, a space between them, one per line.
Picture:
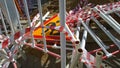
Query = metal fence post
x=62 y=9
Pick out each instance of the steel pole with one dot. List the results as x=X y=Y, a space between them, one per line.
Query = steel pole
x=29 y=21
x=113 y=23
x=43 y=32
x=10 y=21
x=117 y=13
x=114 y=39
x=99 y=55
x=96 y=38
x=3 y=22
x=76 y=58
x=62 y=10
x=18 y=17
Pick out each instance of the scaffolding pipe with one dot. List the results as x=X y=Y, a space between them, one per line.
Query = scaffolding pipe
x=51 y=46
x=10 y=21
x=113 y=23
x=6 y=65
x=115 y=40
x=43 y=18
x=84 y=37
x=20 y=26
x=117 y=13
x=111 y=11
x=71 y=34
x=78 y=31
x=99 y=42
x=49 y=52
x=29 y=22
x=62 y=10
x=14 y=64
x=43 y=32
x=99 y=55
x=18 y=17
x=76 y=58
x=99 y=49
x=82 y=44
x=3 y=22
x=113 y=53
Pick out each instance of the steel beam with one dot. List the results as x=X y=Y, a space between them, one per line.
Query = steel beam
x=62 y=10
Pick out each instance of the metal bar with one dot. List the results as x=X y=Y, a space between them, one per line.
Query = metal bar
x=6 y=65
x=115 y=40
x=113 y=20
x=0 y=31
x=18 y=17
x=29 y=22
x=99 y=42
x=84 y=37
x=117 y=13
x=76 y=53
x=112 y=23
x=99 y=49
x=80 y=64
x=113 y=10
x=10 y=21
x=49 y=52
x=20 y=26
x=52 y=46
x=58 y=47
x=43 y=32
x=99 y=55
x=76 y=58
x=42 y=19
x=62 y=10
x=3 y=22
x=113 y=53
x=70 y=33
x=83 y=43
x=78 y=31
x=14 y=64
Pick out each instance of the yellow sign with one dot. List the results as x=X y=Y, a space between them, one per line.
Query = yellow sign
x=48 y=32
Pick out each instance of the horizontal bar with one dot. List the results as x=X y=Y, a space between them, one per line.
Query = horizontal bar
x=113 y=53
x=49 y=52
x=99 y=49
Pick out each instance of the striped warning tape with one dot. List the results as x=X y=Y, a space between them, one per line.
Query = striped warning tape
x=109 y=8
x=18 y=34
x=71 y=20
x=88 y=59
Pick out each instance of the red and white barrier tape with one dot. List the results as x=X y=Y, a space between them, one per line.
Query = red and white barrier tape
x=88 y=59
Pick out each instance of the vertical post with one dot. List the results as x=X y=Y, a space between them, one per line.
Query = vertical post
x=29 y=21
x=17 y=14
x=3 y=22
x=76 y=58
x=43 y=33
x=10 y=21
x=62 y=9
x=99 y=55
